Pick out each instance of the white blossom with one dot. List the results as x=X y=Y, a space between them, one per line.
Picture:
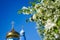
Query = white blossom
x=38 y=11
x=37 y=5
x=55 y=18
x=34 y=16
x=24 y=7
x=56 y=35
x=26 y=13
x=30 y=10
x=49 y=24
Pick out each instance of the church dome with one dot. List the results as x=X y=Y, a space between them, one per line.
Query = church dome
x=13 y=34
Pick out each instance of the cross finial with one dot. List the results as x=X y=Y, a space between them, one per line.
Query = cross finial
x=12 y=24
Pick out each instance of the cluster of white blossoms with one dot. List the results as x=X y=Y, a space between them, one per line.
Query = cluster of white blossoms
x=56 y=35
x=48 y=11
x=49 y=24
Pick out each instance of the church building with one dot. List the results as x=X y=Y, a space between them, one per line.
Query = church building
x=14 y=35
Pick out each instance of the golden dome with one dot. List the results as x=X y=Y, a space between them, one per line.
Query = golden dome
x=13 y=34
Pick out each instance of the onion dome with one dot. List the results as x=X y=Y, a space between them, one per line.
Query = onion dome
x=13 y=34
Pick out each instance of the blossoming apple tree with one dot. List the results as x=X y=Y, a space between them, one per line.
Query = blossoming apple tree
x=46 y=14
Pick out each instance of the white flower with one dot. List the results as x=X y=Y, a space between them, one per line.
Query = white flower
x=55 y=18
x=30 y=20
x=49 y=24
x=26 y=13
x=37 y=5
x=56 y=35
x=30 y=10
x=41 y=1
x=38 y=11
x=34 y=16
x=24 y=7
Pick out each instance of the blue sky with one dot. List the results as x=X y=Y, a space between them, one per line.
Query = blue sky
x=9 y=12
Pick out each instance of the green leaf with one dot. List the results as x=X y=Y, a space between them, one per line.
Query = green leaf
x=20 y=11
x=58 y=21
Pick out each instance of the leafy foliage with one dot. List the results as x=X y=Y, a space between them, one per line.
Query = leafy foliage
x=46 y=14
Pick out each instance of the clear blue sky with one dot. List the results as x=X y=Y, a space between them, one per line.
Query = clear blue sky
x=8 y=13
